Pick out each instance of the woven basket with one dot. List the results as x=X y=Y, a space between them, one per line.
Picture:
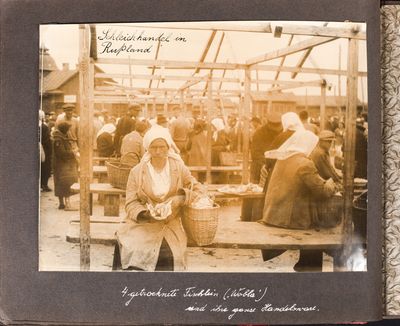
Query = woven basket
x=118 y=173
x=200 y=224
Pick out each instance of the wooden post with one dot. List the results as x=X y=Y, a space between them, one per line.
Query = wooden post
x=166 y=104
x=146 y=109
x=323 y=106
x=85 y=126
x=246 y=127
x=210 y=109
x=154 y=108
x=349 y=145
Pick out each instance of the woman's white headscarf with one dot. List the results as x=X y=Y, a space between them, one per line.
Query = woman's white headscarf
x=301 y=142
x=158 y=132
x=109 y=128
x=219 y=125
x=291 y=121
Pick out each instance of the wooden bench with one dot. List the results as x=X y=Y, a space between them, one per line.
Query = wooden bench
x=236 y=235
x=111 y=197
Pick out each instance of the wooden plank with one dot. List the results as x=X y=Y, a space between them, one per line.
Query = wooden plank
x=238 y=235
x=111 y=205
x=85 y=127
x=352 y=33
x=297 y=47
x=349 y=143
x=153 y=69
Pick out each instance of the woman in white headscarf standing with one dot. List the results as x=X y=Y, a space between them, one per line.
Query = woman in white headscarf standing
x=220 y=142
x=146 y=241
x=293 y=188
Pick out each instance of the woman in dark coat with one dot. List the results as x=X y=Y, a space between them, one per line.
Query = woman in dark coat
x=45 y=167
x=65 y=165
x=105 y=142
x=196 y=148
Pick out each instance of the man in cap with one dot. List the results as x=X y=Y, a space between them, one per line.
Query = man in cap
x=309 y=126
x=320 y=156
x=68 y=116
x=261 y=141
x=126 y=125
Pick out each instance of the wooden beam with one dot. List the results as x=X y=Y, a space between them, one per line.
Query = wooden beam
x=210 y=108
x=154 y=67
x=282 y=60
x=215 y=60
x=325 y=31
x=206 y=49
x=349 y=144
x=246 y=126
x=85 y=123
x=297 y=47
x=323 y=107
x=316 y=83
x=206 y=26
x=172 y=63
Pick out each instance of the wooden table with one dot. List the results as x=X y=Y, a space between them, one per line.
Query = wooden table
x=112 y=195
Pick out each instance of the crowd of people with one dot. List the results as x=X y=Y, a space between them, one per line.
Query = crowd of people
x=297 y=165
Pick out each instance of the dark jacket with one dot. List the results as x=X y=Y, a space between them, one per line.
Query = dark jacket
x=322 y=162
x=65 y=165
x=105 y=144
x=125 y=125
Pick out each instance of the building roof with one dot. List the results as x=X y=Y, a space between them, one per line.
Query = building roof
x=48 y=62
x=56 y=79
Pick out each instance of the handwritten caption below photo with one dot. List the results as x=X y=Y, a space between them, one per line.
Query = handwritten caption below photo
x=250 y=300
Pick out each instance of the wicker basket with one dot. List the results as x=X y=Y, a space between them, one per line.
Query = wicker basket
x=117 y=173
x=200 y=224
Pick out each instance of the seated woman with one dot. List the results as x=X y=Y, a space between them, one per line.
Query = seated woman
x=293 y=189
x=146 y=242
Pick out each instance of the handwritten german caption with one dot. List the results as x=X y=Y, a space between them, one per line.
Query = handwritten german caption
x=231 y=301
x=116 y=42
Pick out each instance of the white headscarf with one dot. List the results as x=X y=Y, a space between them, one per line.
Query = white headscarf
x=109 y=128
x=41 y=117
x=219 y=125
x=157 y=132
x=291 y=121
x=301 y=142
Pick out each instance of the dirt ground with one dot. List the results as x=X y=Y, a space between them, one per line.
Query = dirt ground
x=56 y=254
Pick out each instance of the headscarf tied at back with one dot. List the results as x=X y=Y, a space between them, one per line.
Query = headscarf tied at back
x=158 y=132
x=219 y=125
x=291 y=121
x=109 y=128
x=301 y=142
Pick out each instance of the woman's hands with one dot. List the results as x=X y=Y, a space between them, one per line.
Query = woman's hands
x=176 y=203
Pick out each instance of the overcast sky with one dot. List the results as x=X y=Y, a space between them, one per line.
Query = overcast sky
x=63 y=44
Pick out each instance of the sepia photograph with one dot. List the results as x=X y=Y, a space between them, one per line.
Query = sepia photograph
x=218 y=146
